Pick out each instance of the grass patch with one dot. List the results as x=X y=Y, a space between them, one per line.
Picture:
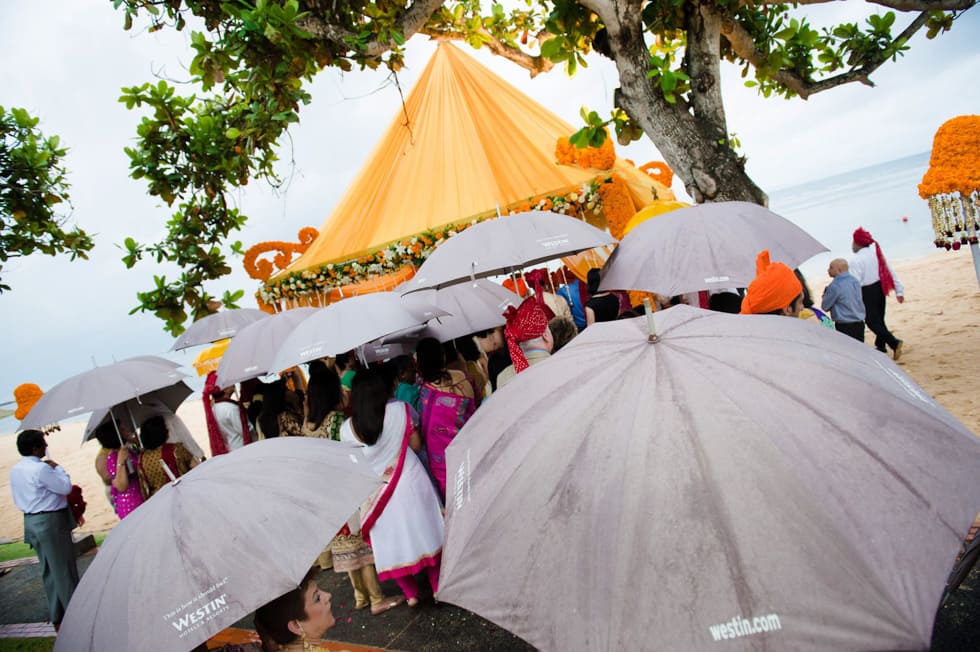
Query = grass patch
x=19 y=550
x=26 y=644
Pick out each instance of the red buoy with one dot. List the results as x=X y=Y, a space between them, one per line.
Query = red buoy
x=905 y=218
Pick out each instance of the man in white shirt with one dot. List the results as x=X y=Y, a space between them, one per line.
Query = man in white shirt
x=231 y=419
x=40 y=489
x=877 y=280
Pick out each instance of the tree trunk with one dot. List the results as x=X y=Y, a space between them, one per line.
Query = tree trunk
x=710 y=169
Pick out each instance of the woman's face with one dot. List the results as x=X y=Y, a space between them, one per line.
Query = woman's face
x=319 y=616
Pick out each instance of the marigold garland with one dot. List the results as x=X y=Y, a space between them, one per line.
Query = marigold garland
x=952 y=182
x=26 y=395
x=617 y=205
x=659 y=171
x=605 y=200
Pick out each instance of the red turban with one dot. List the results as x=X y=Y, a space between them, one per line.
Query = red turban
x=526 y=322
x=863 y=239
x=775 y=286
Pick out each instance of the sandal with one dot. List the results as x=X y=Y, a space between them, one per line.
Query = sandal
x=389 y=603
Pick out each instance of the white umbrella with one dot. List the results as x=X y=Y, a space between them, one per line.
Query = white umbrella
x=219 y=326
x=250 y=352
x=102 y=387
x=211 y=547
x=473 y=306
x=704 y=247
x=742 y=482
x=504 y=245
x=347 y=324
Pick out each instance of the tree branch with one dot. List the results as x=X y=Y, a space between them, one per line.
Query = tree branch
x=703 y=65
x=409 y=24
x=898 y=5
x=533 y=64
x=744 y=46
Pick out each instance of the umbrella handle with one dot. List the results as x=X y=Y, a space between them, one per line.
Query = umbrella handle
x=651 y=326
x=166 y=469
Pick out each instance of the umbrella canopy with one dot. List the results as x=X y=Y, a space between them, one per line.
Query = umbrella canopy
x=102 y=387
x=755 y=478
x=138 y=410
x=503 y=245
x=250 y=352
x=347 y=324
x=225 y=538
x=475 y=306
x=221 y=325
x=704 y=247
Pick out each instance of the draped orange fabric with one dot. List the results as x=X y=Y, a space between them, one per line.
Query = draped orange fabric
x=473 y=142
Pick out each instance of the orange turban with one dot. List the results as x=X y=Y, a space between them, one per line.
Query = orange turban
x=26 y=396
x=775 y=286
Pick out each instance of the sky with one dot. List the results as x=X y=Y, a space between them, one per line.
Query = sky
x=66 y=60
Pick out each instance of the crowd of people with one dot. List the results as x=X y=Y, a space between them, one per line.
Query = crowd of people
x=404 y=413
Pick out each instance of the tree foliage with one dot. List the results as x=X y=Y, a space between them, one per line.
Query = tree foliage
x=254 y=58
x=33 y=186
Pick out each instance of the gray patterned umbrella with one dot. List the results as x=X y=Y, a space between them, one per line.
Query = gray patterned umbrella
x=211 y=547
x=744 y=483
x=704 y=247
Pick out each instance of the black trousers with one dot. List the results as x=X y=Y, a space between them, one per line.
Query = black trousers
x=853 y=329
x=874 y=308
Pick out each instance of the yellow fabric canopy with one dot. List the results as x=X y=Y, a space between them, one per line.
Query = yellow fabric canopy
x=472 y=142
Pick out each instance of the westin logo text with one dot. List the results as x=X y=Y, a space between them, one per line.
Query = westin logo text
x=738 y=627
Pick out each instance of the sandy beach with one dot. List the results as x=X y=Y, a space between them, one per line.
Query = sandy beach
x=939 y=322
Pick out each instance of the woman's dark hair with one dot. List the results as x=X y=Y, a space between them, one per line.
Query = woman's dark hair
x=432 y=360
x=154 y=433
x=344 y=361
x=467 y=348
x=403 y=364
x=449 y=352
x=368 y=397
x=273 y=404
x=323 y=396
x=272 y=619
x=807 y=299
x=318 y=367
x=593 y=278
x=29 y=441
x=108 y=435
x=725 y=302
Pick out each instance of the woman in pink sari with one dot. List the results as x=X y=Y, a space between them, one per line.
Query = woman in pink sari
x=447 y=402
x=403 y=520
x=120 y=463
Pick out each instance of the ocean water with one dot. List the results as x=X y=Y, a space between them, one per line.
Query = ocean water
x=875 y=197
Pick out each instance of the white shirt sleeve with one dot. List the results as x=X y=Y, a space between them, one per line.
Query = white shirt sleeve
x=55 y=480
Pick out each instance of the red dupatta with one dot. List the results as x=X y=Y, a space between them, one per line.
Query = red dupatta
x=379 y=500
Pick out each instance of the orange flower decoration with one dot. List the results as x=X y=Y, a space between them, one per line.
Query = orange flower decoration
x=26 y=396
